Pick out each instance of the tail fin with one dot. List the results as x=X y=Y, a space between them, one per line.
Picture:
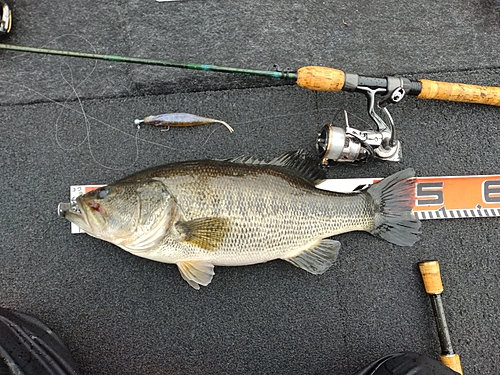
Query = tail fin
x=394 y=198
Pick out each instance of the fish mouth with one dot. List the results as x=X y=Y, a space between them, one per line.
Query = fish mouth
x=86 y=217
x=63 y=208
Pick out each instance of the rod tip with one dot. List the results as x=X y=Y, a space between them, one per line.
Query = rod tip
x=138 y=122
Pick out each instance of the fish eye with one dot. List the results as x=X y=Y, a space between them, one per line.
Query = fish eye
x=103 y=193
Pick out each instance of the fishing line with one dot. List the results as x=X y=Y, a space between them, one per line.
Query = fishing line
x=87 y=125
x=64 y=106
x=87 y=138
x=134 y=136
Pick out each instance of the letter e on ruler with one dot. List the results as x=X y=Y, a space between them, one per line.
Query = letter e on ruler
x=491 y=191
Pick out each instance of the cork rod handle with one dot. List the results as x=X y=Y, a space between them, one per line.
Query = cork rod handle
x=431 y=275
x=320 y=78
x=459 y=92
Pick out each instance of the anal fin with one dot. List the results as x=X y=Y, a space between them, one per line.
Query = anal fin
x=196 y=273
x=319 y=258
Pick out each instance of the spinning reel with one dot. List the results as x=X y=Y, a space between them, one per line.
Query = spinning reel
x=347 y=144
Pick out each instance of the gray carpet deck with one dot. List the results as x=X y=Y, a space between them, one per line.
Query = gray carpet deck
x=121 y=314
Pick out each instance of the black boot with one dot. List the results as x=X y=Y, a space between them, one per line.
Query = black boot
x=29 y=347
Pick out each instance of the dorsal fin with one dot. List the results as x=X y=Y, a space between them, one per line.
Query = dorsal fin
x=297 y=162
x=244 y=159
x=300 y=163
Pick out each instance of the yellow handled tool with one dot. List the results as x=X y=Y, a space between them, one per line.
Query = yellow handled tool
x=433 y=284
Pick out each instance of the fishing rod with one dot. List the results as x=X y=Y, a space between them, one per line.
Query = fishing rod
x=317 y=78
x=334 y=143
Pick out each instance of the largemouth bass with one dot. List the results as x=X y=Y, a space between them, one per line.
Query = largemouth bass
x=201 y=214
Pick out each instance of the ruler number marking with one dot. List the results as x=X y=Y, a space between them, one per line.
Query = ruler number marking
x=491 y=191
x=429 y=193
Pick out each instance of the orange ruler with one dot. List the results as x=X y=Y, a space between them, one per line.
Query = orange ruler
x=446 y=197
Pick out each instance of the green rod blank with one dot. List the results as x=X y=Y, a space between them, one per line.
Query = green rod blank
x=146 y=61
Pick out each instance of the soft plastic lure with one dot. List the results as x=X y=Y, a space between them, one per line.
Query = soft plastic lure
x=179 y=119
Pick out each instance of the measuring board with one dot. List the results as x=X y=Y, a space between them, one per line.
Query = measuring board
x=447 y=197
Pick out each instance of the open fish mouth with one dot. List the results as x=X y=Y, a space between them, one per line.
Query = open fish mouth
x=73 y=213
x=63 y=208
x=88 y=216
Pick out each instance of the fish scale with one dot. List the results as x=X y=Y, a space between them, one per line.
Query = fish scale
x=277 y=215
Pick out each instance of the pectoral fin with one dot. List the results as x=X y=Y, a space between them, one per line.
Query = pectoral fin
x=207 y=233
x=196 y=273
x=319 y=258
